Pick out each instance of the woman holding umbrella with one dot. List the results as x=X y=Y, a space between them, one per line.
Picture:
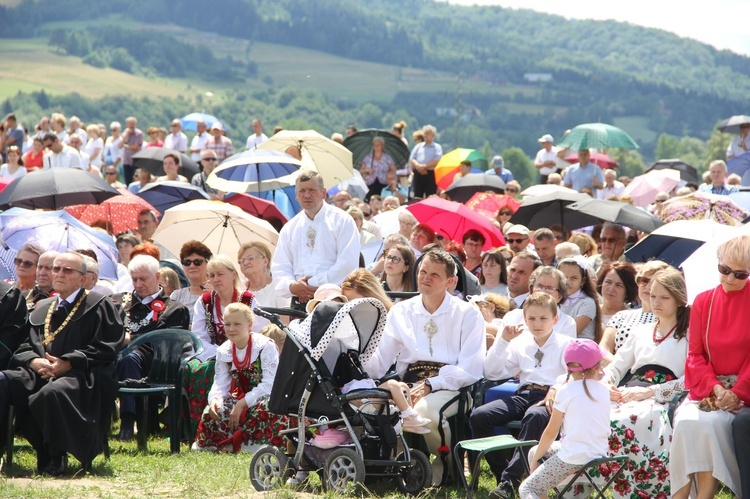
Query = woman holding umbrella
x=375 y=167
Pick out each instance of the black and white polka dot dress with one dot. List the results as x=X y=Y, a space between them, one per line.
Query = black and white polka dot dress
x=624 y=321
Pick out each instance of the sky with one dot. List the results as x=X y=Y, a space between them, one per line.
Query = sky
x=717 y=22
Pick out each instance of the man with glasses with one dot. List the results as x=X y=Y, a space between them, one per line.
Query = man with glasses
x=110 y=175
x=146 y=308
x=59 y=155
x=611 y=246
x=43 y=288
x=517 y=237
x=131 y=143
x=65 y=384
x=176 y=140
x=208 y=162
x=147 y=224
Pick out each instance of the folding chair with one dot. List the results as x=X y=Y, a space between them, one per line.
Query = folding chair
x=584 y=471
x=483 y=446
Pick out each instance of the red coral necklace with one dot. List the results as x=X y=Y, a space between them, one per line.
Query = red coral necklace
x=658 y=340
x=245 y=363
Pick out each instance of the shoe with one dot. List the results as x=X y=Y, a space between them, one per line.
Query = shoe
x=126 y=435
x=416 y=420
x=421 y=430
x=298 y=479
x=57 y=465
x=503 y=491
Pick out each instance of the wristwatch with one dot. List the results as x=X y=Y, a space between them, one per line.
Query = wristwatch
x=427 y=382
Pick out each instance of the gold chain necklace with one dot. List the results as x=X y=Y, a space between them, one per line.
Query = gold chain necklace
x=50 y=336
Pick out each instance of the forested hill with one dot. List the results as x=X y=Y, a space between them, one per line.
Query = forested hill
x=499 y=44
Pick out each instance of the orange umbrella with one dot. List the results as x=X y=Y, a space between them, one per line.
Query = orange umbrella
x=120 y=211
x=489 y=203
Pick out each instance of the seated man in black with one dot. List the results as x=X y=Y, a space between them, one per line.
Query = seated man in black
x=147 y=308
x=63 y=384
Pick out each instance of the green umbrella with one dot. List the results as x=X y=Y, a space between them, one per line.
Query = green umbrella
x=360 y=144
x=597 y=136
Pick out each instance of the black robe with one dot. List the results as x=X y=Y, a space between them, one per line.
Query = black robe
x=13 y=327
x=69 y=413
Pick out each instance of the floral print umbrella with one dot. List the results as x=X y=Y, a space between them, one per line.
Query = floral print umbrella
x=700 y=205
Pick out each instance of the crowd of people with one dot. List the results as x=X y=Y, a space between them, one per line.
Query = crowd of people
x=598 y=346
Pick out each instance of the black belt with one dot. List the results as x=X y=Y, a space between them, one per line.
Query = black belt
x=534 y=386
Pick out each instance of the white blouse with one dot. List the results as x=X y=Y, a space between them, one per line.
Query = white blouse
x=269 y=362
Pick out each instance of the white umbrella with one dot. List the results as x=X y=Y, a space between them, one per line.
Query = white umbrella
x=221 y=226
x=355 y=186
x=700 y=267
x=332 y=160
x=388 y=221
x=255 y=171
x=543 y=189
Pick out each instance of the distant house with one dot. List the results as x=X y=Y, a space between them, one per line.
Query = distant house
x=467 y=111
x=537 y=77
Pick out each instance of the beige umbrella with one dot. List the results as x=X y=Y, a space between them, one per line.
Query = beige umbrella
x=332 y=160
x=221 y=226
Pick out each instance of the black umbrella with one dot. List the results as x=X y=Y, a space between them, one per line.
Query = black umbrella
x=623 y=214
x=360 y=144
x=732 y=125
x=168 y=194
x=542 y=211
x=55 y=189
x=152 y=159
x=462 y=189
x=688 y=173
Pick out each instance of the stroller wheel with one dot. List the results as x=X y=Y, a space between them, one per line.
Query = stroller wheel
x=415 y=478
x=269 y=468
x=344 y=467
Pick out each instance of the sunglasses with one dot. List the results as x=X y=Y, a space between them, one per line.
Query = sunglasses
x=394 y=259
x=24 y=264
x=514 y=191
x=608 y=240
x=197 y=262
x=642 y=281
x=210 y=159
x=65 y=270
x=250 y=259
x=516 y=241
x=738 y=274
x=367 y=215
x=506 y=213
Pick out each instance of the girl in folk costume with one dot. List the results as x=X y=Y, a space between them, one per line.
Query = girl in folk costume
x=580 y=413
x=208 y=325
x=237 y=414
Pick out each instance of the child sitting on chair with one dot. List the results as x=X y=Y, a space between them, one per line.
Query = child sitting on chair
x=581 y=410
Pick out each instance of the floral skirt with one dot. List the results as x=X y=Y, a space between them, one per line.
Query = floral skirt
x=257 y=426
x=641 y=431
x=197 y=379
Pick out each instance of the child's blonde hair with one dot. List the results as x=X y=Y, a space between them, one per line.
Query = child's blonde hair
x=275 y=334
x=540 y=299
x=240 y=308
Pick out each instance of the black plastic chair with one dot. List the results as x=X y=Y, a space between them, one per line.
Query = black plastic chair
x=173 y=348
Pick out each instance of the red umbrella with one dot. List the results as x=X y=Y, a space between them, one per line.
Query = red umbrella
x=601 y=160
x=258 y=207
x=489 y=203
x=120 y=211
x=5 y=182
x=452 y=220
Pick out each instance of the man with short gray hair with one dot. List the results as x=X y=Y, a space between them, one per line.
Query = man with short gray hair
x=423 y=160
x=612 y=186
x=176 y=140
x=718 y=185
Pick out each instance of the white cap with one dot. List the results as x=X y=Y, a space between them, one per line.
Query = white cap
x=518 y=229
x=546 y=138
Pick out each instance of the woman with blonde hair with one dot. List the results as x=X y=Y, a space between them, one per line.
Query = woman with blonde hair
x=360 y=283
x=397 y=129
x=254 y=259
x=585 y=243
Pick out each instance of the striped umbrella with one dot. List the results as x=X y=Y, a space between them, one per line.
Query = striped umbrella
x=597 y=136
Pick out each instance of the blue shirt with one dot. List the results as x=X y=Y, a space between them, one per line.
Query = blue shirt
x=723 y=190
x=424 y=153
x=388 y=192
x=578 y=177
x=505 y=175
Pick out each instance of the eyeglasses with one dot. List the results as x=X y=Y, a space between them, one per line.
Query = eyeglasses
x=196 y=262
x=367 y=215
x=516 y=241
x=546 y=289
x=65 y=270
x=514 y=191
x=505 y=213
x=250 y=258
x=394 y=259
x=111 y=173
x=642 y=281
x=738 y=274
x=210 y=159
x=608 y=240
x=24 y=264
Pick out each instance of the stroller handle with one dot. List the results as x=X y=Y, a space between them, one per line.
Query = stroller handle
x=275 y=319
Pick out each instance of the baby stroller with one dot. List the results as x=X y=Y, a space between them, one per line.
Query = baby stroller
x=320 y=355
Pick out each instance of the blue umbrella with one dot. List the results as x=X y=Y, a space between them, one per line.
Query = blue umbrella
x=57 y=231
x=248 y=170
x=168 y=194
x=190 y=122
x=741 y=199
x=285 y=200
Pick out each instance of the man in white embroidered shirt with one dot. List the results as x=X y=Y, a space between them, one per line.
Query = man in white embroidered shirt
x=437 y=342
x=319 y=245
